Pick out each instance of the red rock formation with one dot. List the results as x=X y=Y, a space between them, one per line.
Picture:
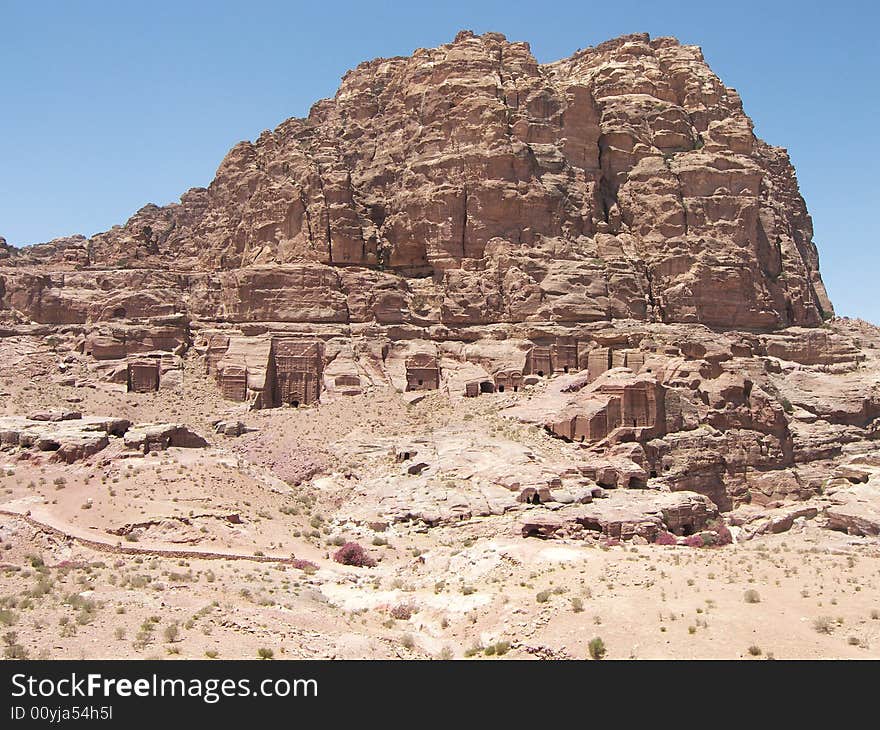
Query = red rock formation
x=471 y=219
x=624 y=181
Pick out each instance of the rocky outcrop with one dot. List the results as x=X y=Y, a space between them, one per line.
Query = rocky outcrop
x=855 y=510
x=601 y=243
x=622 y=182
x=624 y=515
x=69 y=437
x=149 y=437
x=65 y=437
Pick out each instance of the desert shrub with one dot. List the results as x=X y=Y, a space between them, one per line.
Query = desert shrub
x=751 y=596
x=304 y=565
x=543 y=596
x=722 y=536
x=407 y=641
x=473 y=650
x=265 y=653
x=171 y=633
x=577 y=604
x=7 y=617
x=854 y=641
x=725 y=537
x=596 y=648
x=665 y=538
x=755 y=650
x=12 y=649
x=823 y=624
x=353 y=554
x=402 y=612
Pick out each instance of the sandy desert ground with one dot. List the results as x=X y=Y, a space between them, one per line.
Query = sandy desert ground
x=208 y=552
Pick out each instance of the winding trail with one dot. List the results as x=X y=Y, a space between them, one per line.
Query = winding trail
x=45 y=523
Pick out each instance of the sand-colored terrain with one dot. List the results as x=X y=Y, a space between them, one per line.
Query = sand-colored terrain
x=187 y=552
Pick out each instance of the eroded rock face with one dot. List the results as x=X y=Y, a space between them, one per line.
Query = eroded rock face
x=149 y=437
x=602 y=240
x=622 y=182
x=626 y=514
x=63 y=436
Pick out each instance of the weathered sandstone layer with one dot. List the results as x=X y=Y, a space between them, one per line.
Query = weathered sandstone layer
x=468 y=184
x=468 y=220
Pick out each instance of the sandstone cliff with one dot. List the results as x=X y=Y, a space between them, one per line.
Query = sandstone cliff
x=468 y=184
x=468 y=220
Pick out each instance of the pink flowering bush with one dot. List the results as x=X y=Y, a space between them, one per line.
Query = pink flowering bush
x=694 y=541
x=724 y=535
x=665 y=538
x=353 y=554
x=306 y=565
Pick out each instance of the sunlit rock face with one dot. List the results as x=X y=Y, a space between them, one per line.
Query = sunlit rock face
x=469 y=184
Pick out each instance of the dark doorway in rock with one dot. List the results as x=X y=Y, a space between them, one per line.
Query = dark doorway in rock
x=295 y=403
x=500 y=388
x=487 y=387
x=421 y=382
x=565 y=369
x=653 y=473
x=119 y=313
x=536 y=499
x=687 y=530
x=540 y=373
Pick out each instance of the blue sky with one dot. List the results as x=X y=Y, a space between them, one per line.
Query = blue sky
x=106 y=106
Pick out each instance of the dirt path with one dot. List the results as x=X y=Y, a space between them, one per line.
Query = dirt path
x=45 y=523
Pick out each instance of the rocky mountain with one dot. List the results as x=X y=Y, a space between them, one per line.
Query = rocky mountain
x=462 y=364
x=603 y=238
x=468 y=184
